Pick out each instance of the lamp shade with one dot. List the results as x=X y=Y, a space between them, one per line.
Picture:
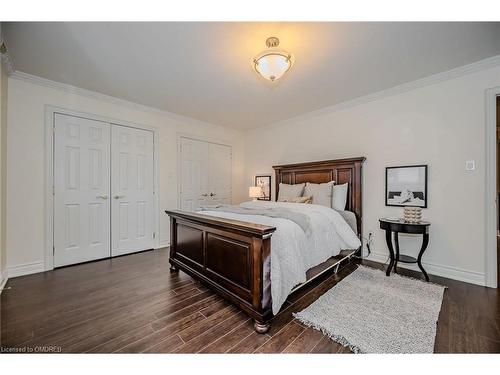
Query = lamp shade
x=254 y=191
x=272 y=63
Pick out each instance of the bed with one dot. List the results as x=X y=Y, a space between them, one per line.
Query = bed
x=233 y=257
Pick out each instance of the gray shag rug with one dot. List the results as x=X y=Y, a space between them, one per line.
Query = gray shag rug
x=372 y=313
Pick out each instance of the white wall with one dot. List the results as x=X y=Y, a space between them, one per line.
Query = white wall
x=25 y=236
x=441 y=125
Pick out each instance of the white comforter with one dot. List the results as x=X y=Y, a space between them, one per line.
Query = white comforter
x=292 y=251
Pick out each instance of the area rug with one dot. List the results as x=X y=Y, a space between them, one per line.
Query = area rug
x=372 y=313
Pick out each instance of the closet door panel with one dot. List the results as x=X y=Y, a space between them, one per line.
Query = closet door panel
x=194 y=191
x=205 y=174
x=132 y=181
x=81 y=190
x=219 y=173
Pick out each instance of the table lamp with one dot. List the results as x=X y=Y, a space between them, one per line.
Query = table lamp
x=254 y=192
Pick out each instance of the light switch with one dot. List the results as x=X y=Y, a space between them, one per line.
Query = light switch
x=470 y=165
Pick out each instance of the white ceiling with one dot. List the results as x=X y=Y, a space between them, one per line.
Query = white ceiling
x=203 y=70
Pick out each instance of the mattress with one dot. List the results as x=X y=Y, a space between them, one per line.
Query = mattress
x=350 y=219
x=293 y=251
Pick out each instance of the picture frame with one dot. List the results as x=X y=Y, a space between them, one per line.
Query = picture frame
x=406 y=186
x=264 y=181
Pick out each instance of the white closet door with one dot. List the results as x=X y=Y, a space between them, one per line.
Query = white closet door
x=81 y=190
x=132 y=181
x=193 y=174
x=219 y=173
x=205 y=174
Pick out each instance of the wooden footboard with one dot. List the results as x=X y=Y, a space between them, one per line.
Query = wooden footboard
x=227 y=255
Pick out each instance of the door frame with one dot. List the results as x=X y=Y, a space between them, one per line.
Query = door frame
x=201 y=139
x=50 y=112
x=491 y=189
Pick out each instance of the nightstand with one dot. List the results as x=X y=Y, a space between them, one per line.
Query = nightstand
x=401 y=226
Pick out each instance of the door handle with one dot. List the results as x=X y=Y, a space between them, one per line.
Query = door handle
x=204 y=195
x=103 y=196
x=212 y=194
x=119 y=196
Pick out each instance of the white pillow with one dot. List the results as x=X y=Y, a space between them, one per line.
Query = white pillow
x=339 y=199
x=321 y=193
x=287 y=192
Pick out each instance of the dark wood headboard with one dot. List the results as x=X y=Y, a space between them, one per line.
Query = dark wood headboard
x=340 y=171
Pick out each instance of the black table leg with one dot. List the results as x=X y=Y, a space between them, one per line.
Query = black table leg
x=419 y=259
x=388 y=239
x=396 y=242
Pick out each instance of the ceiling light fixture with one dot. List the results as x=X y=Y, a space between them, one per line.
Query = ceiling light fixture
x=273 y=63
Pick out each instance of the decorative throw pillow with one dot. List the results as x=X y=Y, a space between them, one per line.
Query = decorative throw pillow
x=321 y=193
x=299 y=200
x=289 y=191
x=339 y=199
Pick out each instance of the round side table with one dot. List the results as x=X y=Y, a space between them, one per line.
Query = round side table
x=401 y=226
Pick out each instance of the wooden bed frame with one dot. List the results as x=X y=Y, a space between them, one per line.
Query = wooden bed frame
x=233 y=257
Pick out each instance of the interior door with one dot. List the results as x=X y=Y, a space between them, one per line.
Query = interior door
x=132 y=179
x=205 y=174
x=81 y=190
x=219 y=173
x=193 y=174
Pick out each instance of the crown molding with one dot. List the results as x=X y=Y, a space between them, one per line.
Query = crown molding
x=33 y=79
x=478 y=66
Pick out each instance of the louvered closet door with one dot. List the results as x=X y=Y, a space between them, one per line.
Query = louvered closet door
x=132 y=183
x=81 y=190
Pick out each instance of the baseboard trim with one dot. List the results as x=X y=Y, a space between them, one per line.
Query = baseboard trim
x=163 y=244
x=3 y=280
x=25 y=269
x=470 y=277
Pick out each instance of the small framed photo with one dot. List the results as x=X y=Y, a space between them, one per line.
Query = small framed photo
x=406 y=186
x=264 y=182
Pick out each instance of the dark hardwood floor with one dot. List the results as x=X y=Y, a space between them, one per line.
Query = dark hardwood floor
x=134 y=304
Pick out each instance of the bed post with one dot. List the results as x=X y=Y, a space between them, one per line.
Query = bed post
x=173 y=243
x=261 y=255
x=357 y=205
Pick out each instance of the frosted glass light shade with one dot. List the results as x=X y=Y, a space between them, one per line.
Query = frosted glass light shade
x=272 y=65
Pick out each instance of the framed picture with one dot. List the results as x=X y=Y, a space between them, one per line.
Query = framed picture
x=264 y=182
x=406 y=186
